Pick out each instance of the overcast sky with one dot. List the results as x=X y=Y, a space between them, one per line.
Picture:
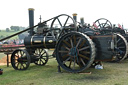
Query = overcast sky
x=15 y=12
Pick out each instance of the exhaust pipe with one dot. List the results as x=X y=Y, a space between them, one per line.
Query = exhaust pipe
x=75 y=17
x=82 y=21
x=31 y=20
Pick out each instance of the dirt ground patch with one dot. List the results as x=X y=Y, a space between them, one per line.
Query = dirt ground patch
x=3 y=61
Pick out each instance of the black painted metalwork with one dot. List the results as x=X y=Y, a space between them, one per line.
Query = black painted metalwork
x=77 y=47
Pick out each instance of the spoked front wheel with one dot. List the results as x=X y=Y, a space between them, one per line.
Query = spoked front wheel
x=20 y=59
x=41 y=56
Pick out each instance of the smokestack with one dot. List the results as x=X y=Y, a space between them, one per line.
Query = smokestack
x=82 y=21
x=75 y=17
x=31 y=20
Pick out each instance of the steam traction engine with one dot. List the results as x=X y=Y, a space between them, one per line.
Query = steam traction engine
x=77 y=51
x=44 y=37
x=77 y=47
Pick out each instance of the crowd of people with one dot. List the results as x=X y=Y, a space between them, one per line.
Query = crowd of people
x=14 y=42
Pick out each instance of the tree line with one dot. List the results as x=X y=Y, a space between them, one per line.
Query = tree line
x=15 y=28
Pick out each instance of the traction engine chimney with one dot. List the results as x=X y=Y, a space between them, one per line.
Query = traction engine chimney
x=82 y=21
x=31 y=20
x=75 y=17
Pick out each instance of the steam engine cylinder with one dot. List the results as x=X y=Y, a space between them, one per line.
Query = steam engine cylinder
x=39 y=41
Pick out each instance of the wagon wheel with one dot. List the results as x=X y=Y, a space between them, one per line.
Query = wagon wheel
x=121 y=48
x=41 y=56
x=103 y=23
x=20 y=59
x=60 y=23
x=75 y=52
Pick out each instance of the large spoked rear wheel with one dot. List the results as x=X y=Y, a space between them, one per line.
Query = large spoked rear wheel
x=75 y=52
x=41 y=56
x=20 y=59
x=121 y=48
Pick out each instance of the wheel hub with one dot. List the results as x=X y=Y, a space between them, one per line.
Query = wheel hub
x=20 y=60
x=73 y=51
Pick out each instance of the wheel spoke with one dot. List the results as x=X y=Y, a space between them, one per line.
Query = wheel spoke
x=82 y=61
x=82 y=44
x=43 y=58
x=99 y=24
x=65 y=56
x=21 y=53
x=66 y=43
x=66 y=21
x=71 y=42
x=59 y=22
x=15 y=59
x=42 y=61
x=122 y=43
x=17 y=65
x=118 y=40
x=25 y=63
x=84 y=48
x=70 y=63
x=66 y=47
x=16 y=55
x=39 y=51
x=43 y=53
x=20 y=66
x=66 y=60
x=78 y=42
x=74 y=40
x=36 y=53
x=83 y=56
x=85 y=52
x=105 y=23
x=23 y=66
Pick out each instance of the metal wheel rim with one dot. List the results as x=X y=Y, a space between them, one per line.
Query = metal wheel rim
x=80 y=60
x=20 y=59
x=42 y=56
x=121 y=47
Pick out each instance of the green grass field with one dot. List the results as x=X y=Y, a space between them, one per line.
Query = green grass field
x=5 y=34
x=112 y=74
